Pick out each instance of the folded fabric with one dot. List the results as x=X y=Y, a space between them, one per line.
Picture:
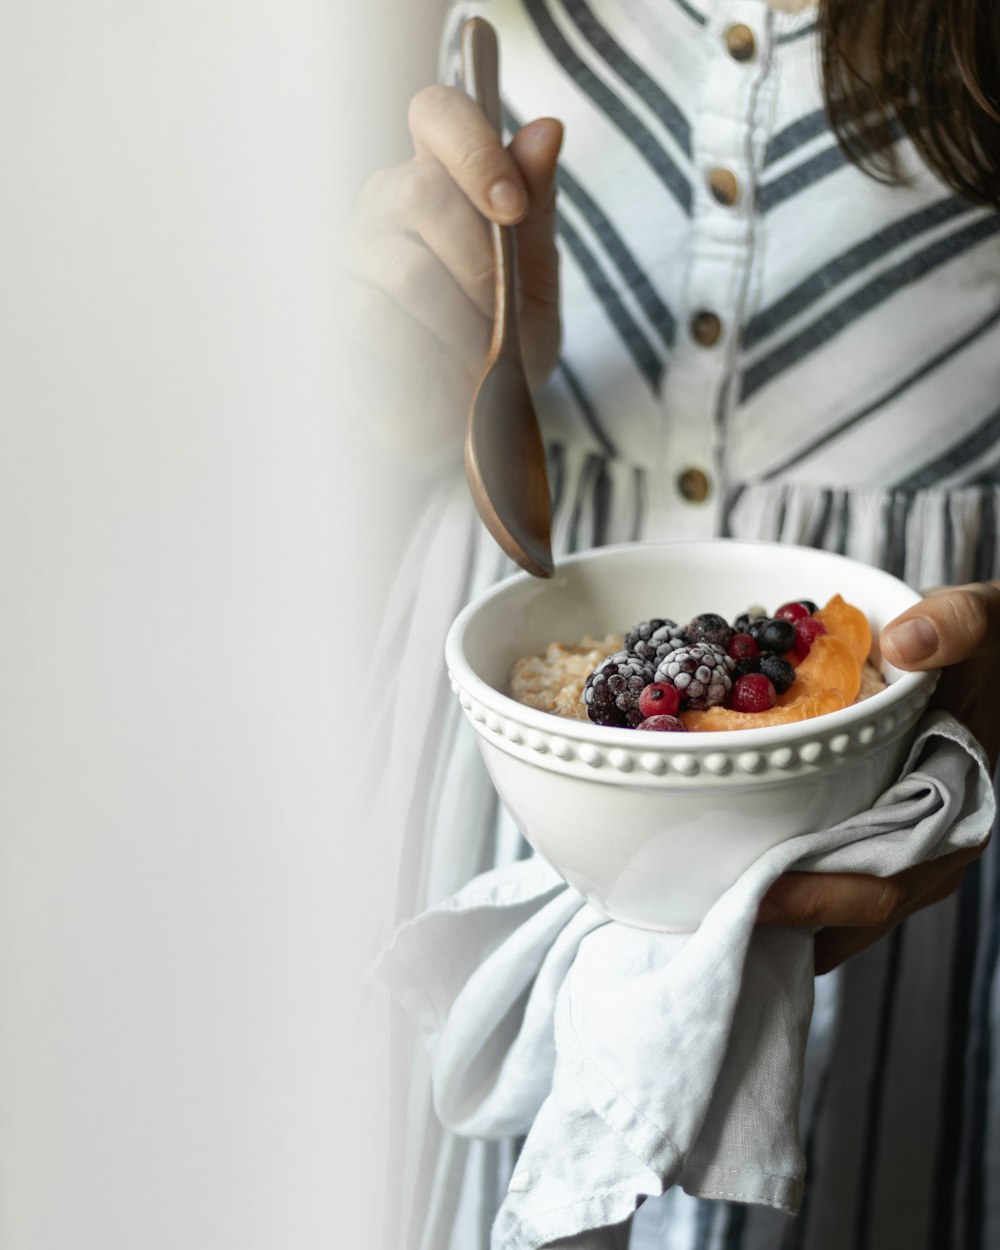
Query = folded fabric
x=633 y=1060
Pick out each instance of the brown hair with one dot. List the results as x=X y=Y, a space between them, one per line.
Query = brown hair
x=929 y=67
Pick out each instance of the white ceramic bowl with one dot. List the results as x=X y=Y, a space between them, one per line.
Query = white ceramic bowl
x=653 y=827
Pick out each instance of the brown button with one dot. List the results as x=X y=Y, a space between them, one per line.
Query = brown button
x=723 y=185
x=693 y=485
x=706 y=329
x=740 y=43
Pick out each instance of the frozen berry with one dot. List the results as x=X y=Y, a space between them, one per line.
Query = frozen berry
x=742 y=647
x=778 y=671
x=809 y=606
x=668 y=724
x=806 y=632
x=611 y=692
x=745 y=619
x=742 y=667
x=660 y=699
x=776 y=637
x=793 y=612
x=709 y=627
x=753 y=693
x=700 y=672
x=652 y=640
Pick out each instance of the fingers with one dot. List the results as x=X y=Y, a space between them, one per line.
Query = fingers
x=832 y=946
x=945 y=628
x=831 y=898
x=424 y=201
x=449 y=128
x=409 y=273
x=535 y=148
x=854 y=899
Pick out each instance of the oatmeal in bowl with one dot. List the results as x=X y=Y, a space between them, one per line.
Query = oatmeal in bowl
x=761 y=669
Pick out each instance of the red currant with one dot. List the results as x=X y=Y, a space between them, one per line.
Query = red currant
x=791 y=612
x=753 y=693
x=659 y=698
x=665 y=724
x=807 y=630
x=743 y=647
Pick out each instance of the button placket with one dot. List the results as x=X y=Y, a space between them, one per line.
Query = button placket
x=720 y=256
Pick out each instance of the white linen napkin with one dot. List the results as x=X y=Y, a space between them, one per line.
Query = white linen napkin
x=636 y=1060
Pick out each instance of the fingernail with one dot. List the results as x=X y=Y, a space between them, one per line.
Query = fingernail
x=914 y=639
x=506 y=198
x=768 y=911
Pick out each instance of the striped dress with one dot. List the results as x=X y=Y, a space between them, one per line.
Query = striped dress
x=763 y=342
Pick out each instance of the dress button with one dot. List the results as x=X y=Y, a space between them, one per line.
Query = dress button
x=693 y=484
x=740 y=43
x=724 y=186
x=706 y=329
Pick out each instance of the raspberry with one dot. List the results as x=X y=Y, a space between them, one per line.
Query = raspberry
x=806 y=632
x=652 y=640
x=659 y=699
x=742 y=647
x=753 y=693
x=709 y=627
x=663 y=723
x=778 y=671
x=793 y=612
x=611 y=692
x=700 y=672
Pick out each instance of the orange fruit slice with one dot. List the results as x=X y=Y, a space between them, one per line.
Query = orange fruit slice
x=830 y=665
x=844 y=620
x=808 y=704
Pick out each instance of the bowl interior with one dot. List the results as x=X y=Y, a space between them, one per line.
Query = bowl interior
x=610 y=589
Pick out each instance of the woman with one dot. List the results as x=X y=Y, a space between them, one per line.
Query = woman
x=780 y=296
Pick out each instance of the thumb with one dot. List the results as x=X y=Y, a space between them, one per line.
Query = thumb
x=948 y=626
x=535 y=149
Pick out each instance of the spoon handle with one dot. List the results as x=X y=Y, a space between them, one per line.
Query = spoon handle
x=481 y=79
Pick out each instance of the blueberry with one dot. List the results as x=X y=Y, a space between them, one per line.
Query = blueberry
x=779 y=672
x=776 y=637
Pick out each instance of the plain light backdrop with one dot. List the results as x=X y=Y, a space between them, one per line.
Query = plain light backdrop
x=196 y=536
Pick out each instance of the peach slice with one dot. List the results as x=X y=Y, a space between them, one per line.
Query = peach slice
x=830 y=665
x=845 y=621
x=807 y=705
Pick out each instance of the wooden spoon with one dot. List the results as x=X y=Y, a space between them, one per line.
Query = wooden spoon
x=504 y=453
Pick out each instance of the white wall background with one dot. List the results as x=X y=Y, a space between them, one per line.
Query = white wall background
x=194 y=531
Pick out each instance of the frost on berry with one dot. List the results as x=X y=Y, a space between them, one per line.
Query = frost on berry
x=701 y=674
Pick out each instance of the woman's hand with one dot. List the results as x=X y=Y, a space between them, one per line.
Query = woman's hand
x=956 y=629
x=419 y=254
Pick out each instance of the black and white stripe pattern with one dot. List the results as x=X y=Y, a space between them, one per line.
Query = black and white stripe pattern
x=857 y=394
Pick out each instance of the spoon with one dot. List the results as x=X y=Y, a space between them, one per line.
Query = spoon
x=504 y=453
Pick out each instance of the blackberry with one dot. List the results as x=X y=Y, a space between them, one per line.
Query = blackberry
x=709 y=627
x=652 y=640
x=778 y=671
x=611 y=692
x=700 y=672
